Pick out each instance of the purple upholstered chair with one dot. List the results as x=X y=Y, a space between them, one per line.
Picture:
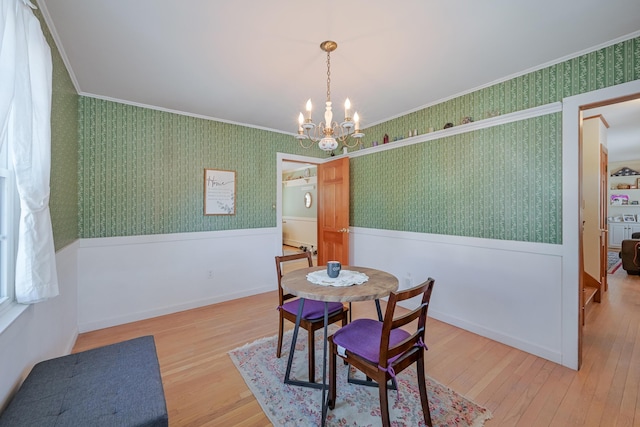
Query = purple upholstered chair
x=312 y=311
x=381 y=349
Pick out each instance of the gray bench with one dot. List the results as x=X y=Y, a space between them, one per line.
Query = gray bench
x=115 y=385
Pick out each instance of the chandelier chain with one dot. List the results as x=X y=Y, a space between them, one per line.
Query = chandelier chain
x=328 y=76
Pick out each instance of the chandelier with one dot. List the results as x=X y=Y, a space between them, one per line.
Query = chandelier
x=327 y=134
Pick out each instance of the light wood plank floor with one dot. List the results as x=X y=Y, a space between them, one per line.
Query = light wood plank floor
x=203 y=387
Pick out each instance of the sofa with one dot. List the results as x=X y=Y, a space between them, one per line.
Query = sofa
x=114 y=385
x=630 y=254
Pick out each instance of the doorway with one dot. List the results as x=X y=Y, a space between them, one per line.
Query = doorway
x=299 y=207
x=573 y=112
x=294 y=165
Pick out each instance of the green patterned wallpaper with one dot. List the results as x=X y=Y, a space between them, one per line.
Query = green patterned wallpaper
x=141 y=171
x=503 y=182
x=63 y=201
x=609 y=66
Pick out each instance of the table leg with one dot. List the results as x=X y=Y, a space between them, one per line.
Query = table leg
x=325 y=403
x=294 y=339
x=379 y=310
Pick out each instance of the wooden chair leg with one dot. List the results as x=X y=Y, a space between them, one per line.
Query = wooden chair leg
x=312 y=357
x=384 y=403
x=423 y=392
x=280 y=332
x=332 y=375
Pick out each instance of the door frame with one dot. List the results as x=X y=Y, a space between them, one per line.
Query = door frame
x=571 y=218
x=280 y=158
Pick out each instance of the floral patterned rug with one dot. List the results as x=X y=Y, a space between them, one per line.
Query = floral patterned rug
x=356 y=405
x=613 y=262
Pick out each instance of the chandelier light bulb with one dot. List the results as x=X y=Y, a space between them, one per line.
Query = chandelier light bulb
x=356 y=120
x=347 y=106
x=309 y=108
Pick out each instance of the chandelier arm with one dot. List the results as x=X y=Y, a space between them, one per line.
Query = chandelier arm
x=346 y=144
x=311 y=142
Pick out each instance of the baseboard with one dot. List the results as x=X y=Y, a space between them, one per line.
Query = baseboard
x=511 y=341
x=134 y=317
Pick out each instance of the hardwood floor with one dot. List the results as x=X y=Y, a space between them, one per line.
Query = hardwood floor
x=203 y=387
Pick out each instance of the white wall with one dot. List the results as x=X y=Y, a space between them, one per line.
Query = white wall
x=298 y=231
x=125 y=279
x=504 y=290
x=40 y=331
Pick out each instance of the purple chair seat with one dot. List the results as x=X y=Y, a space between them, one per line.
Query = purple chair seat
x=312 y=309
x=362 y=337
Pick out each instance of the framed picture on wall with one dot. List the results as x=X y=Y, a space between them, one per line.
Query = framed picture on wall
x=219 y=192
x=628 y=218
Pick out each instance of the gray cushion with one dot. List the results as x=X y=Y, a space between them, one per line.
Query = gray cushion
x=115 y=385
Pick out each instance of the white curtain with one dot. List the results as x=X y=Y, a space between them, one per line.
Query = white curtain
x=25 y=113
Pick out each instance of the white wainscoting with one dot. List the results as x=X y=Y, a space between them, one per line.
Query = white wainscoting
x=504 y=290
x=40 y=331
x=299 y=231
x=125 y=279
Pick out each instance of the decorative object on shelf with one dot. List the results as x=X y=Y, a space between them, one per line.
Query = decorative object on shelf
x=307 y=200
x=467 y=120
x=619 y=199
x=633 y=202
x=385 y=139
x=374 y=144
x=430 y=130
x=622 y=186
x=628 y=218
x=328 y=133
x=448 y=125
x=625 y=171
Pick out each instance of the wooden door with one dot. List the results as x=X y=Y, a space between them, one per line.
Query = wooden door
x=333 y=211
x=604 y=232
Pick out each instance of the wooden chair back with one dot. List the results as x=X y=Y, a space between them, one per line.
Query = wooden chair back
x=280 y=260
x=416 y=339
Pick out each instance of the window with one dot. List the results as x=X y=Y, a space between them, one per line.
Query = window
x=9 y=216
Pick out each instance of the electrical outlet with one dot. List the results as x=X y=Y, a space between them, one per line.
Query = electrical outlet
x=210 y=274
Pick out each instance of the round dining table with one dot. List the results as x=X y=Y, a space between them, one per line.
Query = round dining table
x=378 y=285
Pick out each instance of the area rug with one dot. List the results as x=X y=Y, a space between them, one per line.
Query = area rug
x=288 y=405
x=613 y=262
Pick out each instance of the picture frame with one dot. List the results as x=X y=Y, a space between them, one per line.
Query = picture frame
x=628 y=218
x=219 y=192
x=618 y=199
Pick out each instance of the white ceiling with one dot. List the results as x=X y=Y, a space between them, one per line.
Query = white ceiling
x=256 y=62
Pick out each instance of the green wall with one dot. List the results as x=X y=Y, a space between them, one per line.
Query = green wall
x=63 y=201
x=141 y=171
x=502 y=182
